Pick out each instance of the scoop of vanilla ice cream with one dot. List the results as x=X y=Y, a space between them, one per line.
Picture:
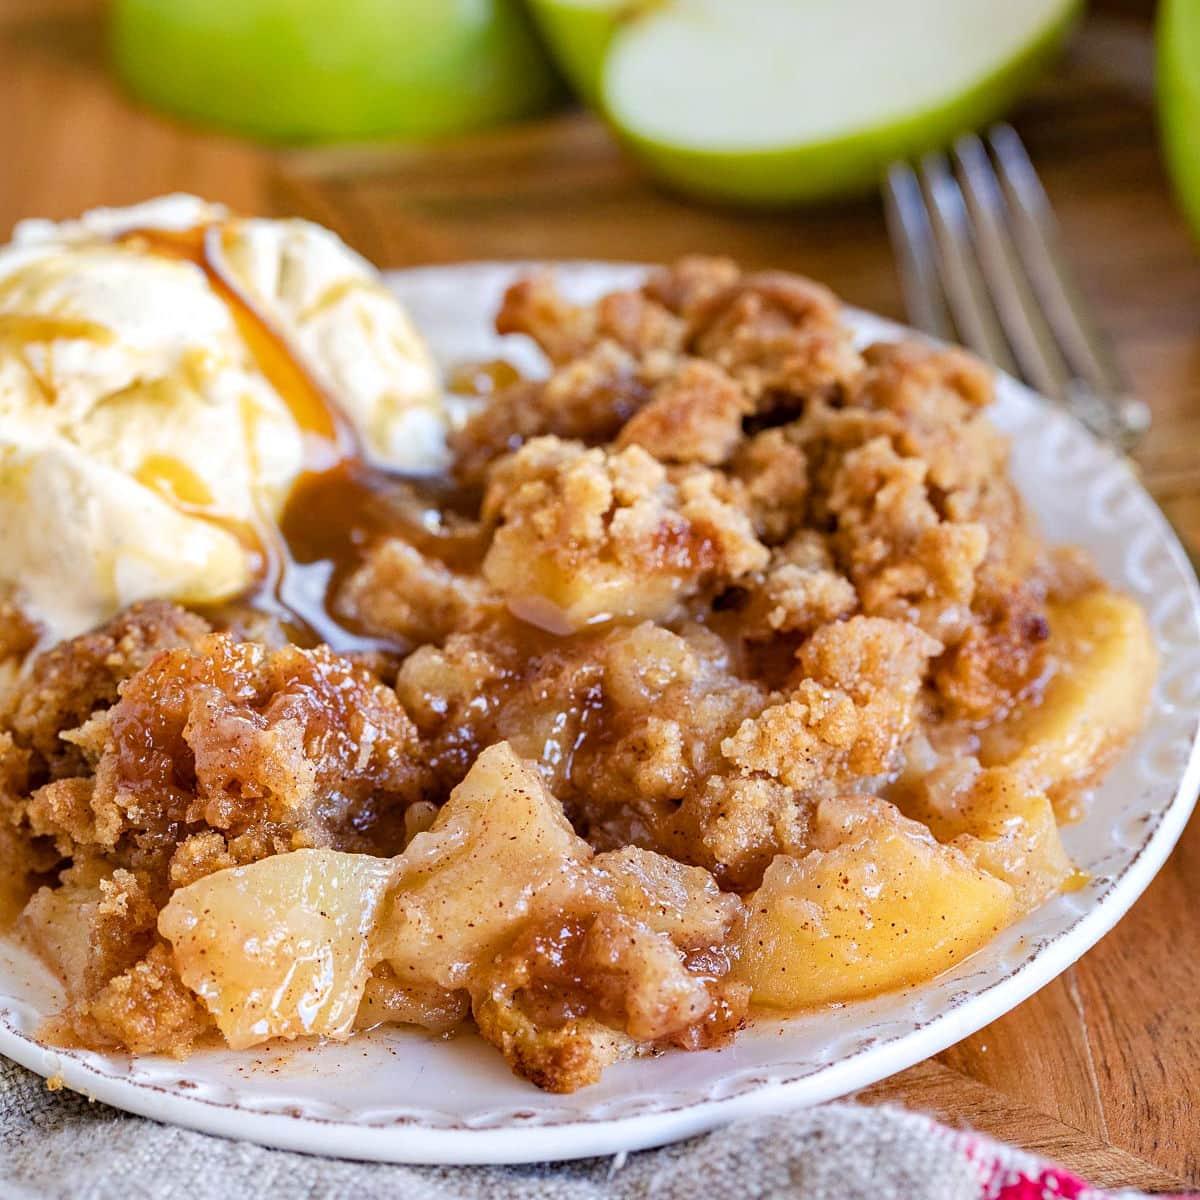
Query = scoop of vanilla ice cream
x=138 y=439
x=350 y=328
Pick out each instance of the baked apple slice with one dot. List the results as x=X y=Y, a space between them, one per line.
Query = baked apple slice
x=1002 y=823
x=464 y=886
x=281 y=948
x=1104 y=663
x=878 y=904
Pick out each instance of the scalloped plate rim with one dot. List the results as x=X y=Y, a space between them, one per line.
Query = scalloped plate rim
x=518 y=1135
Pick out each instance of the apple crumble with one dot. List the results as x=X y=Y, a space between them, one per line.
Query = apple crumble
x=722 y=671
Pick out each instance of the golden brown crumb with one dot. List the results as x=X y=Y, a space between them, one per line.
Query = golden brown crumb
x=18 y=633
x=687 y=284
x=534 y=307
x=634 y=320
x=906 y=562
x=779 y=335
x=695 y=415
x=587 y=399
x=71 y=681
x=1001 y=657
x=147 y=1009
x=584 y=534
x=232 y=736
x=773 y=471
x=800 y=591
x=399 y=591
x=850 y=713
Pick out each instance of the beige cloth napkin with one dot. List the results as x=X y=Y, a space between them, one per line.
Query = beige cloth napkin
x=58 y=1145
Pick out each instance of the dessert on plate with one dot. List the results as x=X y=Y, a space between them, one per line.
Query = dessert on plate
x=717 y=670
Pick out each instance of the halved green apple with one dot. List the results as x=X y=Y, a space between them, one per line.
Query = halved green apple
x=778 y=101
x=305 y=70
x=1179 y=99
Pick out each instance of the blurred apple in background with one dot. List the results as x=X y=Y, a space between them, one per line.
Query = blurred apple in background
x=307 y=70
x=778 y=101
x=1179 y=99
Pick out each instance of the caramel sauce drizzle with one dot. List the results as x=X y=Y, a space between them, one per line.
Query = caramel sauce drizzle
x=483 y=379
x=175 y=481
x=18 y=332
x=341 y=501
x=17 y=329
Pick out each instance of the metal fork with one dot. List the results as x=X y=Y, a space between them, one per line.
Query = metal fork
x=980 y=261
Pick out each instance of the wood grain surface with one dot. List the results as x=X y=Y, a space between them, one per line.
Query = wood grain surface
x=1100 y=1070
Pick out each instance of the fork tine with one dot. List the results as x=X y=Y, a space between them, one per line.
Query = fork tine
x=1036 y=233
x=1038 y=357
x=1037 y=239
x=969 y=304
x=912 y=237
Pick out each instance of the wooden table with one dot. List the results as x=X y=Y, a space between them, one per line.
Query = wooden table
x=1101 y=1069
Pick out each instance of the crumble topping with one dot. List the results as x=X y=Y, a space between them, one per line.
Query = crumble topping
x=735 y=654
x=595 y=534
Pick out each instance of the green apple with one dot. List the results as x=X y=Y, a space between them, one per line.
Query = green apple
x=307 y=70
x=778 y=101
x=1179 y=99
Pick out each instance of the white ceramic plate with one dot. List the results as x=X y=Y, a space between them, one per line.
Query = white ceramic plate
x=404 y=1097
